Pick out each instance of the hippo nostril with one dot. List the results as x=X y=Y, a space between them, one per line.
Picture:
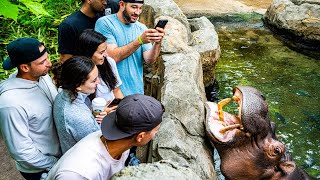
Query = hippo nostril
x=277 y=150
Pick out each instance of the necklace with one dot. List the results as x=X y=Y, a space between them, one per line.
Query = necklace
x=104 y=141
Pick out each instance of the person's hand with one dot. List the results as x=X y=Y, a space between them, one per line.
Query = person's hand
x=110 y=109
x=100 y=116
x=152 y=35
x=106 y=111
x=160 y=30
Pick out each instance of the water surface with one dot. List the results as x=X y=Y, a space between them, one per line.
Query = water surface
x=251 y=55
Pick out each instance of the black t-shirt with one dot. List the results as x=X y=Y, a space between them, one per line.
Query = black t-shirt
x=71 y=28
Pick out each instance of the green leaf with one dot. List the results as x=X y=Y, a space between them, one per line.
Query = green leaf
x=9 y=10
x=35 y=7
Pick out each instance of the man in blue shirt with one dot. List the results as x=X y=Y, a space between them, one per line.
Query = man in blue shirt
x=130 y=43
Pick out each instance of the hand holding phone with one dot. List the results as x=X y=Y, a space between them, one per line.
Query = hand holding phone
x=115 y=102
x=161 y=23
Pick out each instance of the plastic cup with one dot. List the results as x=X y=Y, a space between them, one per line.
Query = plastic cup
x=98 y=105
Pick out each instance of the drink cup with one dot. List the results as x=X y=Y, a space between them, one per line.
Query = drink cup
x=98 y=105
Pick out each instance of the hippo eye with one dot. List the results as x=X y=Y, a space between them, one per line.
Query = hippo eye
x=263 y=97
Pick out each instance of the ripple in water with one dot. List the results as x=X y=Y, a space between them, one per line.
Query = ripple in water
x=289 y=80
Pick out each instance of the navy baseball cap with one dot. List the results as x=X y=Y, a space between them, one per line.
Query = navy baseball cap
x=135 y=113
x=22 y=51
x=133 y=1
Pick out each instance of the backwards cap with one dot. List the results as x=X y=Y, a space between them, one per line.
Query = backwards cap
x=135 y=113
x=22 y=51
x=133 y=1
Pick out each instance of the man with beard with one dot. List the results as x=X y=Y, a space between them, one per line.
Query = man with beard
x=129 y=44
x=26 y=100
x=73 y=25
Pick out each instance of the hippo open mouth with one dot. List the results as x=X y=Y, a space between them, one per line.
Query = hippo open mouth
x=222 y=126
x=251 y=120
x=246 y=142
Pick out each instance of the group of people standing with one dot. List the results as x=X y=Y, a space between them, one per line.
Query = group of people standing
x=46 y=131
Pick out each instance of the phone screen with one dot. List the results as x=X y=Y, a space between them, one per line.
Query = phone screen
x=161 y=23
x=115 y=102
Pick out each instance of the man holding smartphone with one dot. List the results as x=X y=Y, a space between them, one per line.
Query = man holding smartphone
x=130 y=43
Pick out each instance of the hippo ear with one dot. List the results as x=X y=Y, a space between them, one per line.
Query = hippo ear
x=273 y=130
x=287 y=167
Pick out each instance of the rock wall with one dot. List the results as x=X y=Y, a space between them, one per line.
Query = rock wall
x=297 y=22
x=204 y=40
x=177 y=81
x=157 y=171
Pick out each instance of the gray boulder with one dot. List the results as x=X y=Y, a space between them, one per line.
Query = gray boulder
x=181 y=137
x=297 y=22
x=184 y=35
x=189 y=46
x=157 y=171
x=204 y=39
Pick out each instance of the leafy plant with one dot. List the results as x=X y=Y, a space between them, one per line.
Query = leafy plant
x=42 y=25
x=10 y=10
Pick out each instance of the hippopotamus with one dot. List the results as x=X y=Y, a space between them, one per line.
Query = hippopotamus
x=246 y=142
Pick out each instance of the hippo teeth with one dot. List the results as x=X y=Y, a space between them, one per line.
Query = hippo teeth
x=230 y=127
x=216 y=126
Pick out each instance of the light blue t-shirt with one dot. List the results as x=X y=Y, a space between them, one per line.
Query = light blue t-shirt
x=131 y=68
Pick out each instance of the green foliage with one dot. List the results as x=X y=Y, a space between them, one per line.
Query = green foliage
x=35 y=7
x=39 y=26
x=9 y=10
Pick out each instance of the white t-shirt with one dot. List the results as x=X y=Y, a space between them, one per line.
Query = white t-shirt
x=88 y=159
x=102 y=89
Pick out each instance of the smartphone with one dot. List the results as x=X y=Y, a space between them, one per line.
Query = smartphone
x=161 y=23
x=115 y=102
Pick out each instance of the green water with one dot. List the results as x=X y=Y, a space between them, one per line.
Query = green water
x=289 y=80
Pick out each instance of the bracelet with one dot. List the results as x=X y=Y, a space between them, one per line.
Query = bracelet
x=140 y=40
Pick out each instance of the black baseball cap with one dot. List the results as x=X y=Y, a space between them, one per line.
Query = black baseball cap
x=22 y=51
x=135 y=113
x=133 y=1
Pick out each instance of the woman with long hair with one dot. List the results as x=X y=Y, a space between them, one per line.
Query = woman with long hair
x=73 y=118
x=93 y=45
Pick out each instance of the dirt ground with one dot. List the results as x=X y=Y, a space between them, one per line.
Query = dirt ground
x=8 y=169
x=214 y=7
